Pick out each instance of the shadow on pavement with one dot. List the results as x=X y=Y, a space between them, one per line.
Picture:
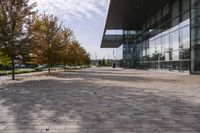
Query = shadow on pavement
x=72 y=100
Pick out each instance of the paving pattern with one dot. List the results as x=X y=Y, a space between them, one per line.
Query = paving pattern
x=100 y=100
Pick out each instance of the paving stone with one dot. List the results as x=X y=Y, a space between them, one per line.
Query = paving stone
x=12 y=131
x=100 y=100
x=32 y=131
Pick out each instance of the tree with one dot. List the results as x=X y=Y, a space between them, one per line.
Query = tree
x=15 y=18
x=84 y=57
x=109 y=62
x=66 y=35
x=99 y=62
x=104 y=62
x=46 y=40
x=54 y=44
x=73 y=53
x=4 y=60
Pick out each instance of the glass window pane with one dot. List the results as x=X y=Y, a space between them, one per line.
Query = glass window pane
x=153 y=20
x=184 y=54
x=184 y=23
x=167 y=56
x=175 y=9
x=197 y=53
x=185 y=5
x=165 y=10
x=195 y=3
x=158 y=15
x=185 y=38
x=175 y=55
x=186 y=16
x=174 y=40
x=158 y=45
x=152 y=48
x=175 y=22
x=165 y=42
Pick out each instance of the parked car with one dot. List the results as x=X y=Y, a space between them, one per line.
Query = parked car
x=41 y=67
x=60 y=66
x=23 y=66
x=17 y=66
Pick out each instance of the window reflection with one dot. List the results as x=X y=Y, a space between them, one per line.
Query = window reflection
x=175 y=55
x=171 y=48
x=174 y=40
x=165 y=41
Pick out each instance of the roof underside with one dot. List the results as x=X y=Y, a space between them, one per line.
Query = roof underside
x=112 y=41
x=129 y=15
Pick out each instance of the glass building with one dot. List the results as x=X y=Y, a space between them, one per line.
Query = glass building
x=156 y=34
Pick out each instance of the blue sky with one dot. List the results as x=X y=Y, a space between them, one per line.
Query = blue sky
x=85 y=17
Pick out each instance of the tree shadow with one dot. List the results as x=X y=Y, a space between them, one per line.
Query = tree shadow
x=112 y=76
x=75 y=103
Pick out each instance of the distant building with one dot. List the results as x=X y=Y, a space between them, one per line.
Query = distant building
x=155 y=34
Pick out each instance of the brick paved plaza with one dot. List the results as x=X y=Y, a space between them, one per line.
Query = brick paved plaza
x=100 y=100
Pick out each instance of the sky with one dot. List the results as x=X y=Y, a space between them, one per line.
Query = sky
x=85 y=17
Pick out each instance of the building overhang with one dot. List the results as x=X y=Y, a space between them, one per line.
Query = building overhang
x=112 y=41
x=128 y=15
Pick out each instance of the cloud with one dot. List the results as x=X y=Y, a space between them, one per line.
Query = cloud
x=72 y=9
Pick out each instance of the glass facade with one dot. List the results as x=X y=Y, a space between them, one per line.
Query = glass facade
x=195 y=36
x=164 y=41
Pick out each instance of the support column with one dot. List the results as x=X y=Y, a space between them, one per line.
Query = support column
x=195 y=36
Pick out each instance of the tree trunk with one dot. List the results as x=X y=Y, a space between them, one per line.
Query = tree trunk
x=49 y=70
x=49 y=67
x=65 y=69
x=13 y=69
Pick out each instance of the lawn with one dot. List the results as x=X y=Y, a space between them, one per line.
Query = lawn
x=17 y=71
